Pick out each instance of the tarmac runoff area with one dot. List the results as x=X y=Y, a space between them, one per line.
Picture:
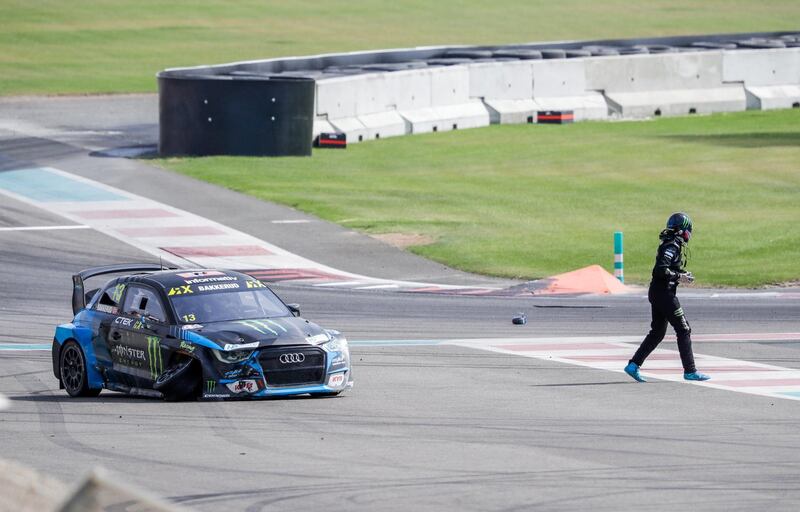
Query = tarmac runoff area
x=454 y=407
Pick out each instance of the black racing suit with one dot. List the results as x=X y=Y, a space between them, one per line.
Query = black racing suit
x=664 y=304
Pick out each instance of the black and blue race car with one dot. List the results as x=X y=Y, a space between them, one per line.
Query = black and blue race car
x=186 y=334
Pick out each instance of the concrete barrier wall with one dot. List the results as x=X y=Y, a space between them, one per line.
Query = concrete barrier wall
x=771 y=78
x=670 y=84
x=376 y=105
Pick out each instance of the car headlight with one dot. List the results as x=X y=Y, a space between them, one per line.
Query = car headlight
x=233 y=356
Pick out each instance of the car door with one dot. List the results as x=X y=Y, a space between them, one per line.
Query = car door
x=135 y=336
x=106 y=309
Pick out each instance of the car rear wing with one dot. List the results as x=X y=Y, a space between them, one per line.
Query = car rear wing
x=78 y=294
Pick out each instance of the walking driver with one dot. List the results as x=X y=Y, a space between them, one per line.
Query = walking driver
x=667 y=273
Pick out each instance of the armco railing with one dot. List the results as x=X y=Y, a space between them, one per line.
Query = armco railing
x=276 y=107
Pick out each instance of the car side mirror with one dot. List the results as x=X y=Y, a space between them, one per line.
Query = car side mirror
x=294 y=308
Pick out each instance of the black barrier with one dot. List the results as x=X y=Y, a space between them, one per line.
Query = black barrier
x=209 y=115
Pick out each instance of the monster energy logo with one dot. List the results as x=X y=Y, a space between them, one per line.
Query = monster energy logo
x=116 y=294
x=262 y=326
x=154 y=356
x=679 y=312
x=210 y=385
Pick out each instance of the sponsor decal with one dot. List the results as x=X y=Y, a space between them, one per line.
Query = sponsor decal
x=336 y=380
x=189 y=318
x=217 y=395
x=215 y=287
x=317 y=339
x=201 y=280
x=154 y=356
x=128 y=355
x=293 y=358
x=670 y=253
x=238 y=372
x=116 y=293
x=210 y=385
x=243 y=386
x=192 y=327
x=679 y=312
x=187 y=347
x=180 y=290
x=228 y=347
x=255 y=284
x=107 y=309
x=136 y=325
x=258 y=326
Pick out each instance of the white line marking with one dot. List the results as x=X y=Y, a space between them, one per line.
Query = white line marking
x=44 y=228
x=296 y=221
x=613 y=359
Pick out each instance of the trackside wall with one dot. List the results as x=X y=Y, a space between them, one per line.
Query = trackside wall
x=378 y=105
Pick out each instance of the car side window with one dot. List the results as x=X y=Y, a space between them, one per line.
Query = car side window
x=109 y=299
x=143 y=301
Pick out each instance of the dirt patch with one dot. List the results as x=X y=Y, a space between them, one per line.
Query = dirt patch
x=404 y=240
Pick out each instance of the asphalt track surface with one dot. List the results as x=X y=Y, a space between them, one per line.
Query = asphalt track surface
x=427 y=426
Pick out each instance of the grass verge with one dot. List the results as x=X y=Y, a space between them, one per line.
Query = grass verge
x=531 y=201
x=102 y=46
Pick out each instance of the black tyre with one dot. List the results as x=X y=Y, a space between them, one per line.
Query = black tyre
x=554 y=53
x=180 y=381
x=522 y=54
x=72 y=368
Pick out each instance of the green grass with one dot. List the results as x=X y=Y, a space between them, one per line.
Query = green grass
x=80 y=46
x=521 y=201
x=530 y=201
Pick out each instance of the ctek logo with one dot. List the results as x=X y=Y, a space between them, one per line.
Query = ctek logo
x=180 y=290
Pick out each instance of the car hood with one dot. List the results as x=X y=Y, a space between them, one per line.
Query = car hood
x=263 y=332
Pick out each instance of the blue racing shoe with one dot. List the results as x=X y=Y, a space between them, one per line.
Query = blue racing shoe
x=695 y=376
x=633 y=370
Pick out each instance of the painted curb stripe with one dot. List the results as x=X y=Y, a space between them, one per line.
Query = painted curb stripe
x=149 y=213
x=171 y=231
x=40 y=184
x=25 y=346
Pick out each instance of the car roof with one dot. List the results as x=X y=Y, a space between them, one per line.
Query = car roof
x=169 y=279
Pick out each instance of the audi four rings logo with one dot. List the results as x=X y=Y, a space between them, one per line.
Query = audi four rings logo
x=292 y=358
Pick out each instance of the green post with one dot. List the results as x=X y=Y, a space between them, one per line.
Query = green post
x=618 y=266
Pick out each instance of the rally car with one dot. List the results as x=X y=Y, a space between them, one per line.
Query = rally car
x=186 y=334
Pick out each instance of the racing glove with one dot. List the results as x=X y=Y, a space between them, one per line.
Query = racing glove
x=685 y=277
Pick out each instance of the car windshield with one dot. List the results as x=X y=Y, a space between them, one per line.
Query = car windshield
x=226 y=306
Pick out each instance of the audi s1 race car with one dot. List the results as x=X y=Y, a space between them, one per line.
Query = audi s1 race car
x=185 y=334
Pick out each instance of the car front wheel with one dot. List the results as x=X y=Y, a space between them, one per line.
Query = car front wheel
x=72 y=368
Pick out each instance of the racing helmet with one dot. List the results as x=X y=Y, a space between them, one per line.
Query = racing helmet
x=681 y=224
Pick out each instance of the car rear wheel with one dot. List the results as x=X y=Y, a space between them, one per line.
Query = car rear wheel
x=72 y=368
